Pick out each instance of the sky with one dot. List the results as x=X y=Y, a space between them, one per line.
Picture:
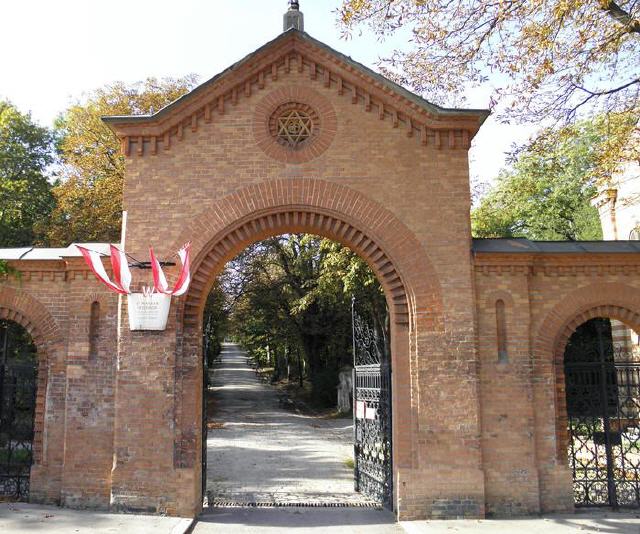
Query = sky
x=56 y=51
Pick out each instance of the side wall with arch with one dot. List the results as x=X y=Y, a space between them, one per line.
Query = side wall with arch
x=73 y=442
x=523 y=405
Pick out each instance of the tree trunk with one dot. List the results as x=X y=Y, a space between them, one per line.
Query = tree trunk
x=286 y=357
x=300 y=372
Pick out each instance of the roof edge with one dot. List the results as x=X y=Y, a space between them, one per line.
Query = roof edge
x=430 y=107
x=521 y=246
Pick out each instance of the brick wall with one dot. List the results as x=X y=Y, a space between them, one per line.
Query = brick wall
x=523 y=399
x=74 y=406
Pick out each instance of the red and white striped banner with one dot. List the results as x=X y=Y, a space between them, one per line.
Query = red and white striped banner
x=184 y=279
x=122 y=275
x=119 y=264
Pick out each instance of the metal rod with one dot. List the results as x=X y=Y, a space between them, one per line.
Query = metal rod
x=611 y=486
x=354 y=378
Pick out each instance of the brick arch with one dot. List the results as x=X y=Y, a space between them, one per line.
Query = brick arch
x=611 y=300
x=338 y=212
x=335 y=211
x=490 y=302
x=614 y=300
x=101 y=298
x=24 y=309
x=621 y=313
x=29 y=313
x=492 y=297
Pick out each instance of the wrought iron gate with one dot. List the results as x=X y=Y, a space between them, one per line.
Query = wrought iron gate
x=371 y=411
x=18 y=369
x=603 y=408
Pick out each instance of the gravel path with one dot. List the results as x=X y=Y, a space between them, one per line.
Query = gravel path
x=258 y=451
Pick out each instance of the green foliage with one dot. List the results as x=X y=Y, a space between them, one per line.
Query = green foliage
x=547 y=58
x=6 y=270
x=288 y=302
x=89 y=199
x=25 y=193
x=216 y=321
x=547 y=193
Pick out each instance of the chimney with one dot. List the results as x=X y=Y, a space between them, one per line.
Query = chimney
x=293 y=18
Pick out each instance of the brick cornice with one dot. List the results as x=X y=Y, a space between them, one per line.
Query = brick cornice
x=555 y=265
x=149 y=135
x=67 y=268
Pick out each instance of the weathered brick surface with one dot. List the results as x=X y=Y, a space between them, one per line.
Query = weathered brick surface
x=74 y=406
x=523 y=411
x=120 y=426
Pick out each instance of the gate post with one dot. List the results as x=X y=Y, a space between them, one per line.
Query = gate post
x=144 y=477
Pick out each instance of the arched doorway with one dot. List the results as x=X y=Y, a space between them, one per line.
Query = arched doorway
x=308 y=314
x=602 y=391
x=410 y=284
x=18 y=388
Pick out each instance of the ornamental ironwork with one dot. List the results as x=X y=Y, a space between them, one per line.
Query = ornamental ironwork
x=294 y=124
x=603 y=408
x=373 y=473
x=18 y=372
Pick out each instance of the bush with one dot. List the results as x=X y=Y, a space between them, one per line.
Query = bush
x=323 y=386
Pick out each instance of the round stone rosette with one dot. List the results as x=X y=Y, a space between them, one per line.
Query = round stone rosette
x=294 y=124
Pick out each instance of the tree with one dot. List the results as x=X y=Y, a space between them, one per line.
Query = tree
x=547 y=192
x=89 y=199
x=293 y=294
x=26 y=151
x=552 y=57
x=216 y=322
x=344 y=272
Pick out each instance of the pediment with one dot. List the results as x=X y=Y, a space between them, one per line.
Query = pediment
x=295 y=50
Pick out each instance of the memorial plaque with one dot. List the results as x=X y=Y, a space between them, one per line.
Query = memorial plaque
x=148 y=311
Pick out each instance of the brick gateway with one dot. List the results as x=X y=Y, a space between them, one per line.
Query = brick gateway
x=299 y=138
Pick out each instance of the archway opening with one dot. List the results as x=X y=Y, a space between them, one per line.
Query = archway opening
x=18 y=385
x=602 y=392
x=290 y=326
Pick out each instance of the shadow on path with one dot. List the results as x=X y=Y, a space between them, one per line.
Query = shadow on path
x=257 y=451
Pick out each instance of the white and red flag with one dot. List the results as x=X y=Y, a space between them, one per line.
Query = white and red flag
x=122 y=275
x=184 y=278
x=120 y=266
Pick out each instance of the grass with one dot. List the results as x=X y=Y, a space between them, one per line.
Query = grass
x=349 y=463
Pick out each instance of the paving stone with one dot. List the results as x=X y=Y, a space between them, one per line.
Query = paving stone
x=20 y=518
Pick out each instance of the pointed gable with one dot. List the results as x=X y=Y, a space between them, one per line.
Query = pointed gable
x=428 y=123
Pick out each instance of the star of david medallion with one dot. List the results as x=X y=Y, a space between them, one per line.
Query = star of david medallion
x=293 y=125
